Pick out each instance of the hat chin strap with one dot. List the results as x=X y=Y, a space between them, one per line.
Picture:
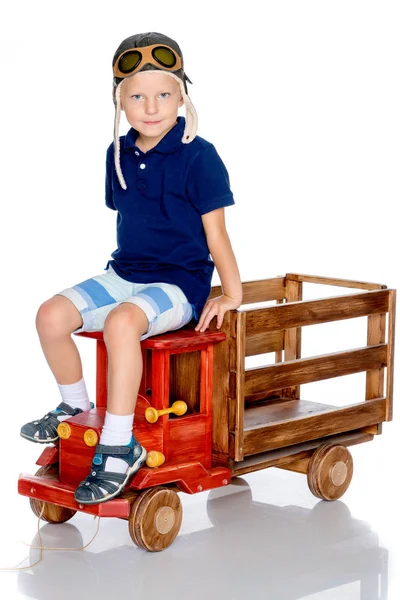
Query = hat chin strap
x=190 y=125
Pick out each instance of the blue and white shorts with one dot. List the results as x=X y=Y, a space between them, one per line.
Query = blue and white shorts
x=164 y=304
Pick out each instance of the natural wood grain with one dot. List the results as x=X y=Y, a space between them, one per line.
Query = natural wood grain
x=220 y=408
x=237 y=369
x=279 y=348
x=390 y=368
x=375 y=377
x=185 y=379
x=292 y=337
x=259 y=290
x=307 y=370
x=282 y=458
x=330 y=471
x=294 y=430
x=262 y=343
x=311 y=312
x=335 y=282
x=155 y=519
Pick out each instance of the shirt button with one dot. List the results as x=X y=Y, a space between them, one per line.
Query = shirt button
x=137 y=153
x=142 y=166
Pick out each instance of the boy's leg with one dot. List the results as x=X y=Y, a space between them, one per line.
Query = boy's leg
x=156 y=308
x=82 y=307
x=123 y=329
x=118 y=454
x=56 y=319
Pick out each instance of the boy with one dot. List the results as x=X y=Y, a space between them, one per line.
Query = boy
x=170 y=217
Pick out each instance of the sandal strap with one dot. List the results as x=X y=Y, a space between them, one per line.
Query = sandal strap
x=67 y=409
x=103 y=449
x=47 y=425
x=47 y=429
x=109 y=475
x=104 y=480
x=94 y=489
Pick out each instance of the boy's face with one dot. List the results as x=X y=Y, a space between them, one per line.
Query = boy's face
x=151 y=97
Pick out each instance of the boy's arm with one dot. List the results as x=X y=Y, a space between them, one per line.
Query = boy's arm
x=222 y=254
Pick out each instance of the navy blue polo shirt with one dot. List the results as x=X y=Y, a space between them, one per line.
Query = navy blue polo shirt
x=160 y=234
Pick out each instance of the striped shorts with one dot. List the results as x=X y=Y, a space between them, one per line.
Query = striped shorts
x=164 y=304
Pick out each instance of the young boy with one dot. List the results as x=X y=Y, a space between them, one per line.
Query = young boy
x=170 y=218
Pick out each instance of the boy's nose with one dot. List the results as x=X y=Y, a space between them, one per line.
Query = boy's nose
x=151 y=106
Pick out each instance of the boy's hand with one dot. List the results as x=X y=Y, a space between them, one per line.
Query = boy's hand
x=217 y=306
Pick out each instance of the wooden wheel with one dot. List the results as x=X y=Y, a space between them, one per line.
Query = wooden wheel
x=330 y=471
x=52 y=512
x=155 y=519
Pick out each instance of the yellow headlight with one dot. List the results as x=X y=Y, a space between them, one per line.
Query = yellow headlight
x=64 y=431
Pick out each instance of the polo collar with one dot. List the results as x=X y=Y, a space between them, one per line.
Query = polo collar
x=169 y=143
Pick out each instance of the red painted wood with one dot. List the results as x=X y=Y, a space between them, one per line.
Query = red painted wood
x=190 y=477
x=185 y=441
x=51 y=490
x=208 y=374
x=76 y=457
x=101 y=374
x=49 y=456
x=171 y=339
x=188 y=439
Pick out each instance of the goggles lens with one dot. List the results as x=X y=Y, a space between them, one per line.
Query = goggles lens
x=129 y=61
x=164 y=56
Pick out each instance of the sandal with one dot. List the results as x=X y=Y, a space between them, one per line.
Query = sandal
x=47 y=426
x=100 y=485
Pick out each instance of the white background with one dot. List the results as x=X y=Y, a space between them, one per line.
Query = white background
x=301 y=100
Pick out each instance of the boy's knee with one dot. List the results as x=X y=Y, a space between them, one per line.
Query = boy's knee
x=125 y=317
x=49 y=319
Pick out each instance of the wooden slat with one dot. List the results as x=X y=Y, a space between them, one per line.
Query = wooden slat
x=364 y=285
x=329 y=422
x=292 y=341
x=259 y=290
x=236 y=394
x=279 y=350
x=307 y=370
x=284 y=456
x=298 y=314
x=390 y=368
x=262 y=343
x=220 y=436
x=375 y=378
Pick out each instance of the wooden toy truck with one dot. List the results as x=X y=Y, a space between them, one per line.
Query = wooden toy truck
x=205 y=418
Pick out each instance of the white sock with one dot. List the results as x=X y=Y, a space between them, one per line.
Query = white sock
x=117 y=431
x=74 y=394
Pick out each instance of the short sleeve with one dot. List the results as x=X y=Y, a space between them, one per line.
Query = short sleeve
x=208 y=182
x=109 y=171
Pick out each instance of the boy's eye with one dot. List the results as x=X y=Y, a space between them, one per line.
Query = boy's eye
x=140 y=95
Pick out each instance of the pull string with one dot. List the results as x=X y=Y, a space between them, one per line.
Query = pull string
x=41 y=547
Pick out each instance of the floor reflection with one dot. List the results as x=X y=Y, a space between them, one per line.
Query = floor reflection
x=252 y=550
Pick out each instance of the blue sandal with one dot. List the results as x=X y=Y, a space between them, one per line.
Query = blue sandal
x=47 y=425
x=100 y=485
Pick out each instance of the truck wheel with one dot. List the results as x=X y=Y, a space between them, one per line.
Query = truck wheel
x=52 y=512
x=330 y=471
x=155 y=519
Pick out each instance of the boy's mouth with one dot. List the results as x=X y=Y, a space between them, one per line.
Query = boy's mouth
x=151 y=122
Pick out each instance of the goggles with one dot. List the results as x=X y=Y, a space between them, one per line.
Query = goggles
x=130 y=60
